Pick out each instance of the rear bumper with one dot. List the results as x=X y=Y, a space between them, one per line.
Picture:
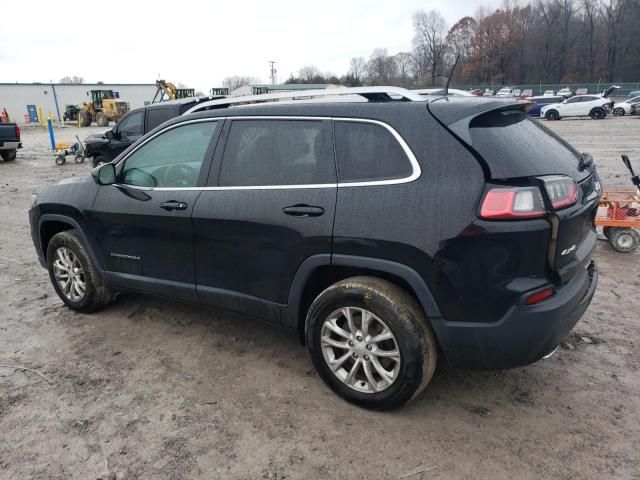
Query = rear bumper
x=525 y=334
x=10 y=145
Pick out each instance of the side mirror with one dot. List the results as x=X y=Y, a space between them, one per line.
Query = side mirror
x=104 y=174
x=109 y=134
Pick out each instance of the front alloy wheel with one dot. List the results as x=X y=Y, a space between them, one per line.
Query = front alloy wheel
x=360 y=349
x=69 y=274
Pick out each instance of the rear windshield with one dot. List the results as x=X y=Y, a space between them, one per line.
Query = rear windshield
x=514 y=145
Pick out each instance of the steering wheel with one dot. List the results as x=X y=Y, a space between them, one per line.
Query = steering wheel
x=179 y=175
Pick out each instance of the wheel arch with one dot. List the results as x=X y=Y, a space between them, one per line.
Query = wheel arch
x=318 y=272
x=52 y=224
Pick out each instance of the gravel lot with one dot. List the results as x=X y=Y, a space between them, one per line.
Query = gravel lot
x=155 y=389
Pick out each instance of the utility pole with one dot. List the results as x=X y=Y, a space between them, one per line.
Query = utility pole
x=272 y=64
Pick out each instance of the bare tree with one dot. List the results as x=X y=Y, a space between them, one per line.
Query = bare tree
x=357 y=67
x=381 y=68
x=309 y=74
x=71 y=80
x=404 y=66
x=428 y=42
x=236 y=81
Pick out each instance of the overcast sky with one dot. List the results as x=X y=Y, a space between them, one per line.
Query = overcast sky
x=134 y=41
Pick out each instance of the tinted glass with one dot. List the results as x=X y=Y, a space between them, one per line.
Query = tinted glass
x=132 y=124
x=574 y=100
x=368 y=152
x=172 y=159
x=514 y=145
x=275 y=152
x=156 y=116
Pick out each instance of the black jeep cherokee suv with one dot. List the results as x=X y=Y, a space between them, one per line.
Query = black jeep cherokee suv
x=384 y=233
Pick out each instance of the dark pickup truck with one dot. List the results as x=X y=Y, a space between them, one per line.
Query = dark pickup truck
x=9 y=141
x=104 y=147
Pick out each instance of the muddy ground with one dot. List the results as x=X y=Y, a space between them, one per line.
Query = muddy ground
x=154 y=389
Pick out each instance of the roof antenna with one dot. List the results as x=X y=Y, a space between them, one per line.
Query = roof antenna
x=453 y=69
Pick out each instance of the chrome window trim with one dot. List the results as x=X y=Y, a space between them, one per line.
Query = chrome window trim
x=415 y=174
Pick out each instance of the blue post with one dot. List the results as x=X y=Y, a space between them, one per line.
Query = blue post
x=53 y=140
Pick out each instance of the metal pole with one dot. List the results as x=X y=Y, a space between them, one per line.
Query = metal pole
x=55 y=99
x=51 y=137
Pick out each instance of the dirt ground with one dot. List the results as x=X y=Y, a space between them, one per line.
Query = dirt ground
x=154 y=389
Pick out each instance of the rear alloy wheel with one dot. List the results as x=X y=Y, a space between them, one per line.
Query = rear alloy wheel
x=552 y=115
x=618 y=112
x=624 y=240
x=371 y=343
x=597 y=114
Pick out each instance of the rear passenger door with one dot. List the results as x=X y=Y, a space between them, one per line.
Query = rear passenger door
x=269 y=206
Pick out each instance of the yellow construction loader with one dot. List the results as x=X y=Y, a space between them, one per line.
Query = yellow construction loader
x=103 y=108
x=171 y=91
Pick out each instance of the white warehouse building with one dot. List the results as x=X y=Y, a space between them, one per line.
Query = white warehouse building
x=14 y=97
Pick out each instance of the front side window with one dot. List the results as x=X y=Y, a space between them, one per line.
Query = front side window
x=132 y=124
x=172 y=159
x=368 y=152
x=574 y=100
x=276 y=152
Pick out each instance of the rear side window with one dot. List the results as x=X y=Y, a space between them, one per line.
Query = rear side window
x=156 y=116
x=516 y=146
x=276 y=152
x=368 y=152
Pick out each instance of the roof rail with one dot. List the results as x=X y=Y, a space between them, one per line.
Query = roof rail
x=372 y=94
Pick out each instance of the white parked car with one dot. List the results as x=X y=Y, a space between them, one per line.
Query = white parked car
x=565 y=92
x=505 y=92
x=593 y=106
x=625 y=108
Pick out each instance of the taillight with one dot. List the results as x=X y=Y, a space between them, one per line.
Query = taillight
x=562 y=191
x=539 y=296
x=17 y=132
x=512 y=203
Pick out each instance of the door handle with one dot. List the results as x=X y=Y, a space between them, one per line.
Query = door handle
x=173 y=205
x=303 y=210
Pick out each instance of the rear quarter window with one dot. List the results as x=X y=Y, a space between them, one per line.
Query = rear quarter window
x=514 y=145
x=368 y=152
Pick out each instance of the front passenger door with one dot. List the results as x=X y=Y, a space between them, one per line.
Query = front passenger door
x=128 y=130
x=143 y=222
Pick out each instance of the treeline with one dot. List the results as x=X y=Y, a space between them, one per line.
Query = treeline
x=549 y=41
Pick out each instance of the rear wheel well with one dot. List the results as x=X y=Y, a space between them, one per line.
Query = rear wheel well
x=48 y=230
x=325 y=276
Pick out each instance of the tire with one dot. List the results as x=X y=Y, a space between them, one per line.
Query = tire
x=552 y=115
x=61 y=160
x=78 y=159
x=96 y=295
x=624 y=240
x=607 y=231
x=84 y=118
x=618 y=112
x=101 y=119
x=100 y=160
x=597 y=114
x=8 y=155
x=412 y=338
